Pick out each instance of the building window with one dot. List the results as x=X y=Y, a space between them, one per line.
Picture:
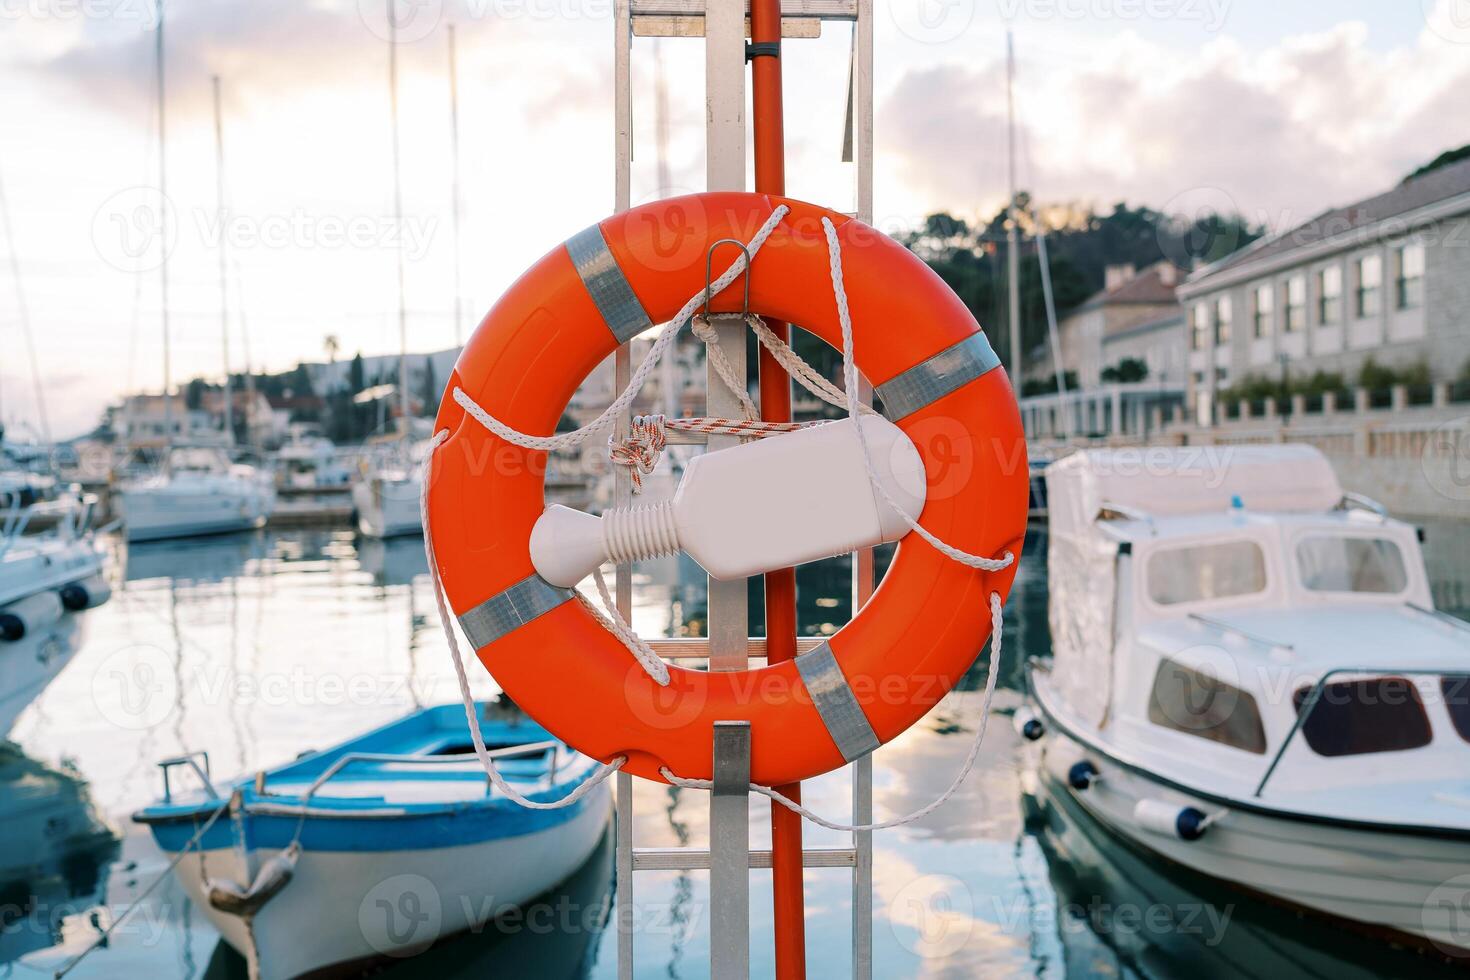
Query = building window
x=1296 y=304
x=1329 y=296
x=1263 y=306
x=1370 y=286
x=1189 y=701
x=1409 y=276
x=1199 y=326
x=1224 y=320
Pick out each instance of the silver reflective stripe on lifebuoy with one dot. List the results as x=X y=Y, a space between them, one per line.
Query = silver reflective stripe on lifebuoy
x=509 y=610
x=933 y=378
x=609 y=288
x=836 y=703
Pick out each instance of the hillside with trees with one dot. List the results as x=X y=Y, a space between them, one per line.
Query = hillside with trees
x=1081 y=244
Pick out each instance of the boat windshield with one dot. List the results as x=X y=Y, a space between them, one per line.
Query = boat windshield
x=1338 y=563
x=1358 y=717
x=198 y=461
x=1214 y=570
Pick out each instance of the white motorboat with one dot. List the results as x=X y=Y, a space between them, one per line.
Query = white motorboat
x=45 y=580
x=29 y=664
x=381 y=845
x=1249 y=678
x=310 y=461
x=200 y=492
x=385 y=498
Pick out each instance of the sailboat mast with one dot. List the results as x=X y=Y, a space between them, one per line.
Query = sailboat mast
x=1012 y=225
x=23 y=313
x=224 y=305
x=168 y=409
x=398 y=220
x=454 y=184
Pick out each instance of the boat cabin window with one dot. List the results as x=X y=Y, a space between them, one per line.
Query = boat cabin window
x=1185 y=700
x=1378 y=714
x=1335 y=563
x=1457 y=702
x=1206 y=571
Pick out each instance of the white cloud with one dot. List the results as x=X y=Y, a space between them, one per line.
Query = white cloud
x=1285 y=132
x=1116 y=109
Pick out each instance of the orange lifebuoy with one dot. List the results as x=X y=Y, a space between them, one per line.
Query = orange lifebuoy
x=936 y=377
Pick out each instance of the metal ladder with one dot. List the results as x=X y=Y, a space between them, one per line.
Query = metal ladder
x=724 y=24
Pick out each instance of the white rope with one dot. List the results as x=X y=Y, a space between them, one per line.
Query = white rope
x=807 y=376
x=614 y=623
x=570 y=440
x=184 y=852
x=476 y=736
x=850 y=379
x=943 y=798
x=705 y=331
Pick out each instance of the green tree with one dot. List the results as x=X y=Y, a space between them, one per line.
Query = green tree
x=431 y=392
x=356 y=374
x=972 y=259
x=1129 y=369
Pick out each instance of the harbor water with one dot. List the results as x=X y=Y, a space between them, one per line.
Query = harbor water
x=257 y=647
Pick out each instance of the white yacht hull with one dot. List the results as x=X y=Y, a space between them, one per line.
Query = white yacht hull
x=387 y=509
x=1402 y=884
x=29 y=665
x=37 y=564
x=344 y=907
x=152 y=514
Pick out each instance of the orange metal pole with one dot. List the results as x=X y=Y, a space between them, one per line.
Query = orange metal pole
x=775 y=392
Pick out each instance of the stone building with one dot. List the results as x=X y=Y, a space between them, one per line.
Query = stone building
x=1135 y=315
x=1387 y=278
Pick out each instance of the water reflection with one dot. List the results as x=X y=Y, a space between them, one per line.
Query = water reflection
x=55 y=852
x=29 y=664
x=258 y=646
x=1120 y=913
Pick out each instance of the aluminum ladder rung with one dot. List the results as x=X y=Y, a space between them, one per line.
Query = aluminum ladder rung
x=647 y=25
x=698 y=859
x=790 y=9
x=697 y=648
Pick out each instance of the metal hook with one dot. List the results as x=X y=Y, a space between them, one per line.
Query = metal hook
x=709 y=258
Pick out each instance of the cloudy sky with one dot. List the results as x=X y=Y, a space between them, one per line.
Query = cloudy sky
x=1275 y=109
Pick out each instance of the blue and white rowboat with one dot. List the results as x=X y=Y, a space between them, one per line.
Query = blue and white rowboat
x=381 y=845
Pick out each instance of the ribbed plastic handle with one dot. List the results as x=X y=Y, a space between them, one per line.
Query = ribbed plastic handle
x=746 y=510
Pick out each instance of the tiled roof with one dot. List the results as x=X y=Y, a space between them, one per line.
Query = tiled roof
x=1447 y=182
x=1149 y=286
